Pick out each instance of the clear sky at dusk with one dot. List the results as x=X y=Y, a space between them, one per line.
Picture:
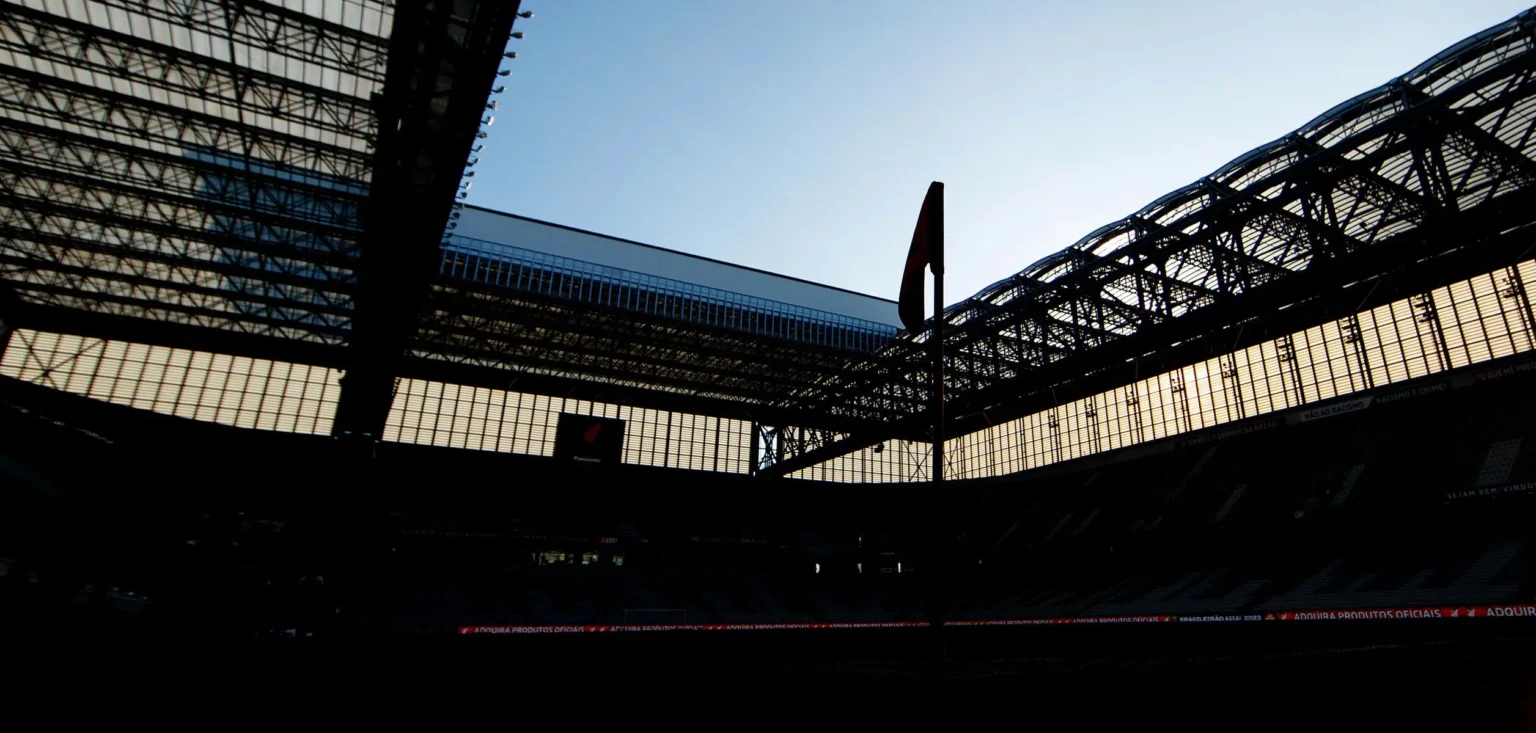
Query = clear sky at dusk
x=800 y=137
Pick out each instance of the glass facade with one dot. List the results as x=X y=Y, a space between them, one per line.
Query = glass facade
x=230 y=390
x=562 y=277
x=1467 y=322
x=458 y=416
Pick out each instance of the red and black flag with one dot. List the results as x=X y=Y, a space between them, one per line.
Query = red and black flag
x=927 y=249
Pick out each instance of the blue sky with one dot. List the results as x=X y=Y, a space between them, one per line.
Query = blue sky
x=800 y=138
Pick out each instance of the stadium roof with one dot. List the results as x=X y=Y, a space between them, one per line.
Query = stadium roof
x=549 y=325
x=272 y=179
x=1400 y=185
x=190 y=164
x=229 y=175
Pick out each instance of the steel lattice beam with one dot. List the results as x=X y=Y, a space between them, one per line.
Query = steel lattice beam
x=516 y=331
x=1365 y=190
x=35 y=97
x=214 y=82
x=188 y=164
x=258 y=194
x=443 y=58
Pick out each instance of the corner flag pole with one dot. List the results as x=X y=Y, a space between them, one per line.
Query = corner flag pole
x=928 y=250
x=938 y=358
x=936 y=610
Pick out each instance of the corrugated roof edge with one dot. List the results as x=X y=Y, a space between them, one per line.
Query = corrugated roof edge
x=676 y=252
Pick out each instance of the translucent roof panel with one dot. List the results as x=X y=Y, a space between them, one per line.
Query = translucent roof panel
x=198 y=163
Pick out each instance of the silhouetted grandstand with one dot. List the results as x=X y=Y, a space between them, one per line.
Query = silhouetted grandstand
x=264 y=375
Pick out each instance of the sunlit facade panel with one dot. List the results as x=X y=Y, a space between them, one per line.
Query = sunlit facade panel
x=460 y=416
x=219 y=388
x=1467 y=322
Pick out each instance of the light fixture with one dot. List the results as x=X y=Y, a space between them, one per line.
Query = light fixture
x=498 y=90
x=509 y=55
x=469 y=174
x=472 y=162
x=518 y=35
x=525 y=14
x=493 y=105
x=504 y=72
x=482 y=134
x=477 y=149
x=489 y=120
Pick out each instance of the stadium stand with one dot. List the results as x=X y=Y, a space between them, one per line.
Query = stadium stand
x=264 y=376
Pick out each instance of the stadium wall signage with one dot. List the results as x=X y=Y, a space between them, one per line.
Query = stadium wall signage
x=587 y=439
x=1374 y=614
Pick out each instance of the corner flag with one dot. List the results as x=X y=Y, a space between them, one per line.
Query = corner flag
x=927 y=249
